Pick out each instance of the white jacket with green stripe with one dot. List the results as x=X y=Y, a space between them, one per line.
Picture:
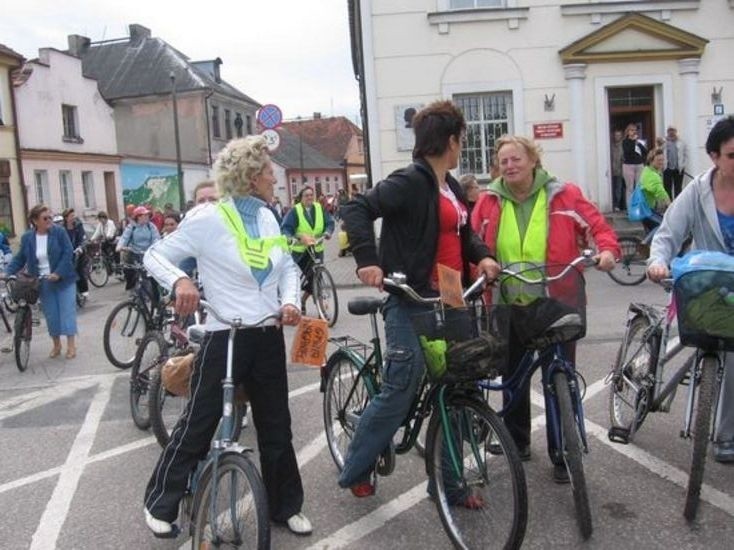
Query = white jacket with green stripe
x=229 y=284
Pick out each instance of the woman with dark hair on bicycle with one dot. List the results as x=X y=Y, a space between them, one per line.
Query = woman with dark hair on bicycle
x=45 y=250
x=78 y=237
x=424 y=224
x=705 y=210
x=528 y=216
x=307 y=221
x=247 y=272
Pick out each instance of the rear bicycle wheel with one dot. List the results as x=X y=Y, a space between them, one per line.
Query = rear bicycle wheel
x=345 y=397
x=232 y=510
x=632 y=267
x=572 y=453
x=123 y=331
x=98 y=275
x=701 y=434
x=23 y=331
x=633 y=376
x=481 y=494
x=324 y=293
x=152 y=348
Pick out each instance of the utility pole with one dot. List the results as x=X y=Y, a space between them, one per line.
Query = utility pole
x=179 y=170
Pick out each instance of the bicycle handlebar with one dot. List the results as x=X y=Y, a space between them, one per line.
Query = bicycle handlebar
x=236 y=322
x=585 y=259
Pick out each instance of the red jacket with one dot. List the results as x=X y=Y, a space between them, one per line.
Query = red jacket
x=574 y=223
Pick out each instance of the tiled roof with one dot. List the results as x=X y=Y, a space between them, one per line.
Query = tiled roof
x=288 y=154
x=4 y=50
x=126 y=69
x=330 y=135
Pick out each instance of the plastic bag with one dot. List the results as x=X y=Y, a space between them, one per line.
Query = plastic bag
x=638 y=209
x=702 y=260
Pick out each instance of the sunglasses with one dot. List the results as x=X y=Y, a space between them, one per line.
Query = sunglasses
x=47 y=218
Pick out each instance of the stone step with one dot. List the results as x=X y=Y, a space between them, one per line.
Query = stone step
x=621 y=224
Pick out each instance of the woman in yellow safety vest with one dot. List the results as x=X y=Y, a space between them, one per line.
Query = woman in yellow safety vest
x=307 y=221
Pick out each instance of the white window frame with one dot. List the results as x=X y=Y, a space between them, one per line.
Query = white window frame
x=66 y=189
x=90 y=201
x=70 y=121
x=476 y=4
x=40 y=183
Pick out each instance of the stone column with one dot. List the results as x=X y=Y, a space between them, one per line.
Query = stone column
x=575 y=73
x=688 y=70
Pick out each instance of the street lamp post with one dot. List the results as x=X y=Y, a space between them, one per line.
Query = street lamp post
x=300 y=151
x=179 y=170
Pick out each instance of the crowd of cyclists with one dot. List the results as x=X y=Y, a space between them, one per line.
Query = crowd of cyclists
x=239 y=245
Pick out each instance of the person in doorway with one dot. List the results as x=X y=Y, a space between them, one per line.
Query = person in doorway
x=618 y=195
x=307 y=222
x=676 y=159
x=45 y=251
x=634 y=153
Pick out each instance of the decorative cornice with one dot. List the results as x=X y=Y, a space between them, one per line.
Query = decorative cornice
x=689 y=66
x=444 y=18
x=574 y=71
x=50 y=154
x=682 y=44
x=630 y=6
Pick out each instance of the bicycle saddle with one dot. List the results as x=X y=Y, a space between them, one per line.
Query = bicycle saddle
x=364 y=305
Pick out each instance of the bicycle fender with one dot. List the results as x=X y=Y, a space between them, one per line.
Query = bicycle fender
x=205 y=473
x=650 y=312
x=342 y=353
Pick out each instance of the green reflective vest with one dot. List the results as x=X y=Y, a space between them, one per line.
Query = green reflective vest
x=531 y=249
x=254 y=252
x=303 y=228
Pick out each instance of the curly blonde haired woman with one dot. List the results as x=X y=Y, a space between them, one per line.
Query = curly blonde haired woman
x=236 y=286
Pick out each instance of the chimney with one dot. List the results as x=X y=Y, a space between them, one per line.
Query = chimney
x=217 y=75
x=317 y=116
x=138 y=33
x=78 y=44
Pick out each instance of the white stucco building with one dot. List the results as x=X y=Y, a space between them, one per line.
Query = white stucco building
x=568 y=73
x=67 y=137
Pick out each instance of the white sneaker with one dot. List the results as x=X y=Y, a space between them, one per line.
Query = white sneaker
x=159 y=527
x=299 y=524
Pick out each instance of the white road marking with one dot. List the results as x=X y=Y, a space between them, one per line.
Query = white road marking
x=23 y=403
x=54 y=515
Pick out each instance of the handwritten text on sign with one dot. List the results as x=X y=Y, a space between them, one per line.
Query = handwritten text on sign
x=309 y=343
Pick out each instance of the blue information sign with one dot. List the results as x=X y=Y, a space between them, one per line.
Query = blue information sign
x=270 y=116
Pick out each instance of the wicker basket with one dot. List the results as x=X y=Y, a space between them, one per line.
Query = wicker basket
x=25 y=289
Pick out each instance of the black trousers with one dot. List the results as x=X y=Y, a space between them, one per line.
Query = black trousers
x=259 y=364
x=517 y=419
x=673 y=182
x=82 y=263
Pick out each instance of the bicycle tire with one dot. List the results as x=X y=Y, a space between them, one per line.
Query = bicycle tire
x=23 y=332
x=130 y=328
x=339 y=407
x=324 y=292
x=572 y=454
x=634 y=362
x=701 y=432
x=98 y=275
x=632 y=267
x=144 y=365
x=234 y=470
x=501 y=489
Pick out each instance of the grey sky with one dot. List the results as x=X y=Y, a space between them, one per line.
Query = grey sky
x=294 y=53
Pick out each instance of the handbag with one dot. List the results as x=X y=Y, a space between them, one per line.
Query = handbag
x=638 y=209
x=176 y=374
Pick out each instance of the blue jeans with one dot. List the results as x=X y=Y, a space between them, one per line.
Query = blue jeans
x=402 y=372
x=59 y=307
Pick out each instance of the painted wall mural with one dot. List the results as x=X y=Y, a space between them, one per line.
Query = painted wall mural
x=149 y=184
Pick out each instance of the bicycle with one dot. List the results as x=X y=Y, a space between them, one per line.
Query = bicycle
x=323 y=287
x=462 y=428
x=130 y=320
x=704 y=308
x=217 y=515
x=632 y=266
x=25 y=293
x=103 y=264
x=537 y=296
x=637 y=386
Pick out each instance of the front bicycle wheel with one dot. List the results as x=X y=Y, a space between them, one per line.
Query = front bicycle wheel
x=632 y=266
x=165 y=408
x=701 y=432
x=152 y=348
x=232 y=511
x=98 y=275
x=123 y=331
x=345 y=398
x=572 y=453
x=324 y=293
x=476 y=477
x=633 y=377
x=23 y=326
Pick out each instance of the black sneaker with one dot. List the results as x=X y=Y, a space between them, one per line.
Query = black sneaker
x=560 y=474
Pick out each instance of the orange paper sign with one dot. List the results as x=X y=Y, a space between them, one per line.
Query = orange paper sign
x=449 y=286
x=309 y=343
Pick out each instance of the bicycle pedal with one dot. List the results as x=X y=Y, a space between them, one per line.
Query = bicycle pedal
x=619 y=435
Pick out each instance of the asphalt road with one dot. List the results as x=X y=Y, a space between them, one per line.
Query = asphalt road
x=73 y=466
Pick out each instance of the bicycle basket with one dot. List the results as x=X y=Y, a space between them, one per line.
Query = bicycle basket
x=705 y=303
x=461 y=345
x=545 y=312
x=24 y=288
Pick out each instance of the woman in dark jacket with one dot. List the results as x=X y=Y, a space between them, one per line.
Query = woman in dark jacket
x=424 y=223
x=45 y=250
x=78 y=237
x=634 y=154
